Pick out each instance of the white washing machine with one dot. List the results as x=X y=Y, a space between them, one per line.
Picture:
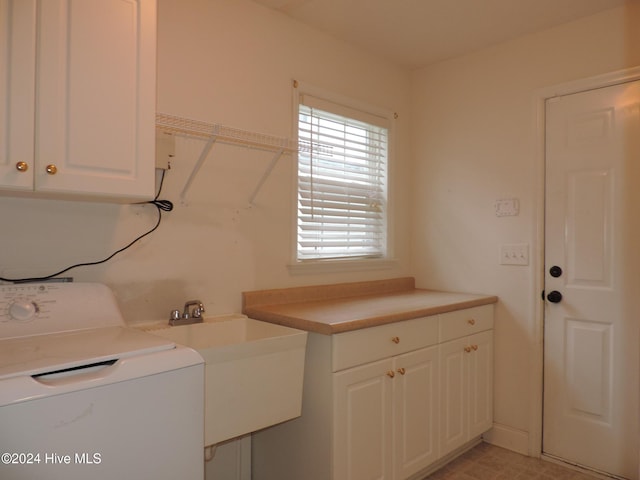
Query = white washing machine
x=83 y=396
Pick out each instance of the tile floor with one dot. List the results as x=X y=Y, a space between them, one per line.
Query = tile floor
x=487 y=462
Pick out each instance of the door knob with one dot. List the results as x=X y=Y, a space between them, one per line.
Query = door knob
x=554 y=296
x=555 y=271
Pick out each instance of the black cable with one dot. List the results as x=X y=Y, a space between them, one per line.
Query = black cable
x=161 y=205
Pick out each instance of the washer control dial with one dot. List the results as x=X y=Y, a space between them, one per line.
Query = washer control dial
x=22 y=309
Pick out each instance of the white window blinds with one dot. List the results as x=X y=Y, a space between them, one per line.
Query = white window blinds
x=342 y=179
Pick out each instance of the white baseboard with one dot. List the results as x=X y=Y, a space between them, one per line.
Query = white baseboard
x=508 y=437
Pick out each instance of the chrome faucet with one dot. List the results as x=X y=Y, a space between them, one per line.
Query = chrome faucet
x=188 y=315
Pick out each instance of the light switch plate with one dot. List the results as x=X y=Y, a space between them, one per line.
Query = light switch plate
x=514 y=254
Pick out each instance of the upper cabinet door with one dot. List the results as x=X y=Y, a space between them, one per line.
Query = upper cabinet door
x=95 y=109
x=17 y=93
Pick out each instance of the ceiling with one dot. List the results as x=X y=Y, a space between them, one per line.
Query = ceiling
x=415 y=33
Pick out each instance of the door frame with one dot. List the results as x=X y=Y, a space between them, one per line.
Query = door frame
x=537 y=342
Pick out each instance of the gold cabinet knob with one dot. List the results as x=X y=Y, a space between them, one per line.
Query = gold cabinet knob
x=471 y=321
x=395 y=339
x=401 y=371
x=474 y=347
x=51 y=169
x=391 y=374
x=467 y=349
x=22 y=166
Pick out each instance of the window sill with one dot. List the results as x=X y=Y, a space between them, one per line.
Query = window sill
x=336 y=266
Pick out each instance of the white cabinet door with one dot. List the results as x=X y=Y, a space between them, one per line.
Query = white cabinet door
x=454 y=426
x=466 y=389
x=17 y=96
x=415 y=389
x=363 y=418
x=480 y=383
x=95 y=118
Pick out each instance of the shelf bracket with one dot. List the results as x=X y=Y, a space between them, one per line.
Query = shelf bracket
x=203 y=155
x=265 y=175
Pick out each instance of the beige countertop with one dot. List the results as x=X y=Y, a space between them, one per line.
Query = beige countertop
x=337 y=308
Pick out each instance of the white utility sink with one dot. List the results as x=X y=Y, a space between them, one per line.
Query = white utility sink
x=253 y=372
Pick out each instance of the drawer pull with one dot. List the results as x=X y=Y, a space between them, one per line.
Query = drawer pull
x=467 y=349
x=391 y=374
x=474 y=347
x=22 y=166
x=471 y=321
x=395 y=340
x=401 y=371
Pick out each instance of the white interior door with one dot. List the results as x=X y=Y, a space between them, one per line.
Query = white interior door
x=592 y=234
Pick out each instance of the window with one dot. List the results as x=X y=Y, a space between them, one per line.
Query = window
x=342 y=182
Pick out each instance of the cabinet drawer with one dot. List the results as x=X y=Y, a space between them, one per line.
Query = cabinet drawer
x=465 y=322
x=369 y=344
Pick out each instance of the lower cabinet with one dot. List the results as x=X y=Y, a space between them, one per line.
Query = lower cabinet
x=385 y=417
x=416 y=420
x=466 y=389
x=385 y=402
x=363 y=403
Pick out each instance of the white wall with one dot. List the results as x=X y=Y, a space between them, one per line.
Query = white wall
x=474 y=142
x=229 y=62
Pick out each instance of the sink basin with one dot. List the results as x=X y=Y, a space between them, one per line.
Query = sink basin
x=253 y=372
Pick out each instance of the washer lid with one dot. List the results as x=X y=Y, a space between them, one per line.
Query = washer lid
x=49 y=353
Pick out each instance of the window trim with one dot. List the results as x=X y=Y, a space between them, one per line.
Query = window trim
x=342 y=264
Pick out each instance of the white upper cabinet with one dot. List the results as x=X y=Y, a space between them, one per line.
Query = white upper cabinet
x=77 y=111
x=17 y=87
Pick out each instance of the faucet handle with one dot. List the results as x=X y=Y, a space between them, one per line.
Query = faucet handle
x=175 y=315
x=198 y=311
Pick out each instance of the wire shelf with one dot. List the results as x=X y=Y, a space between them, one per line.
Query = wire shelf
x=216 y=133
x=197 y=128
